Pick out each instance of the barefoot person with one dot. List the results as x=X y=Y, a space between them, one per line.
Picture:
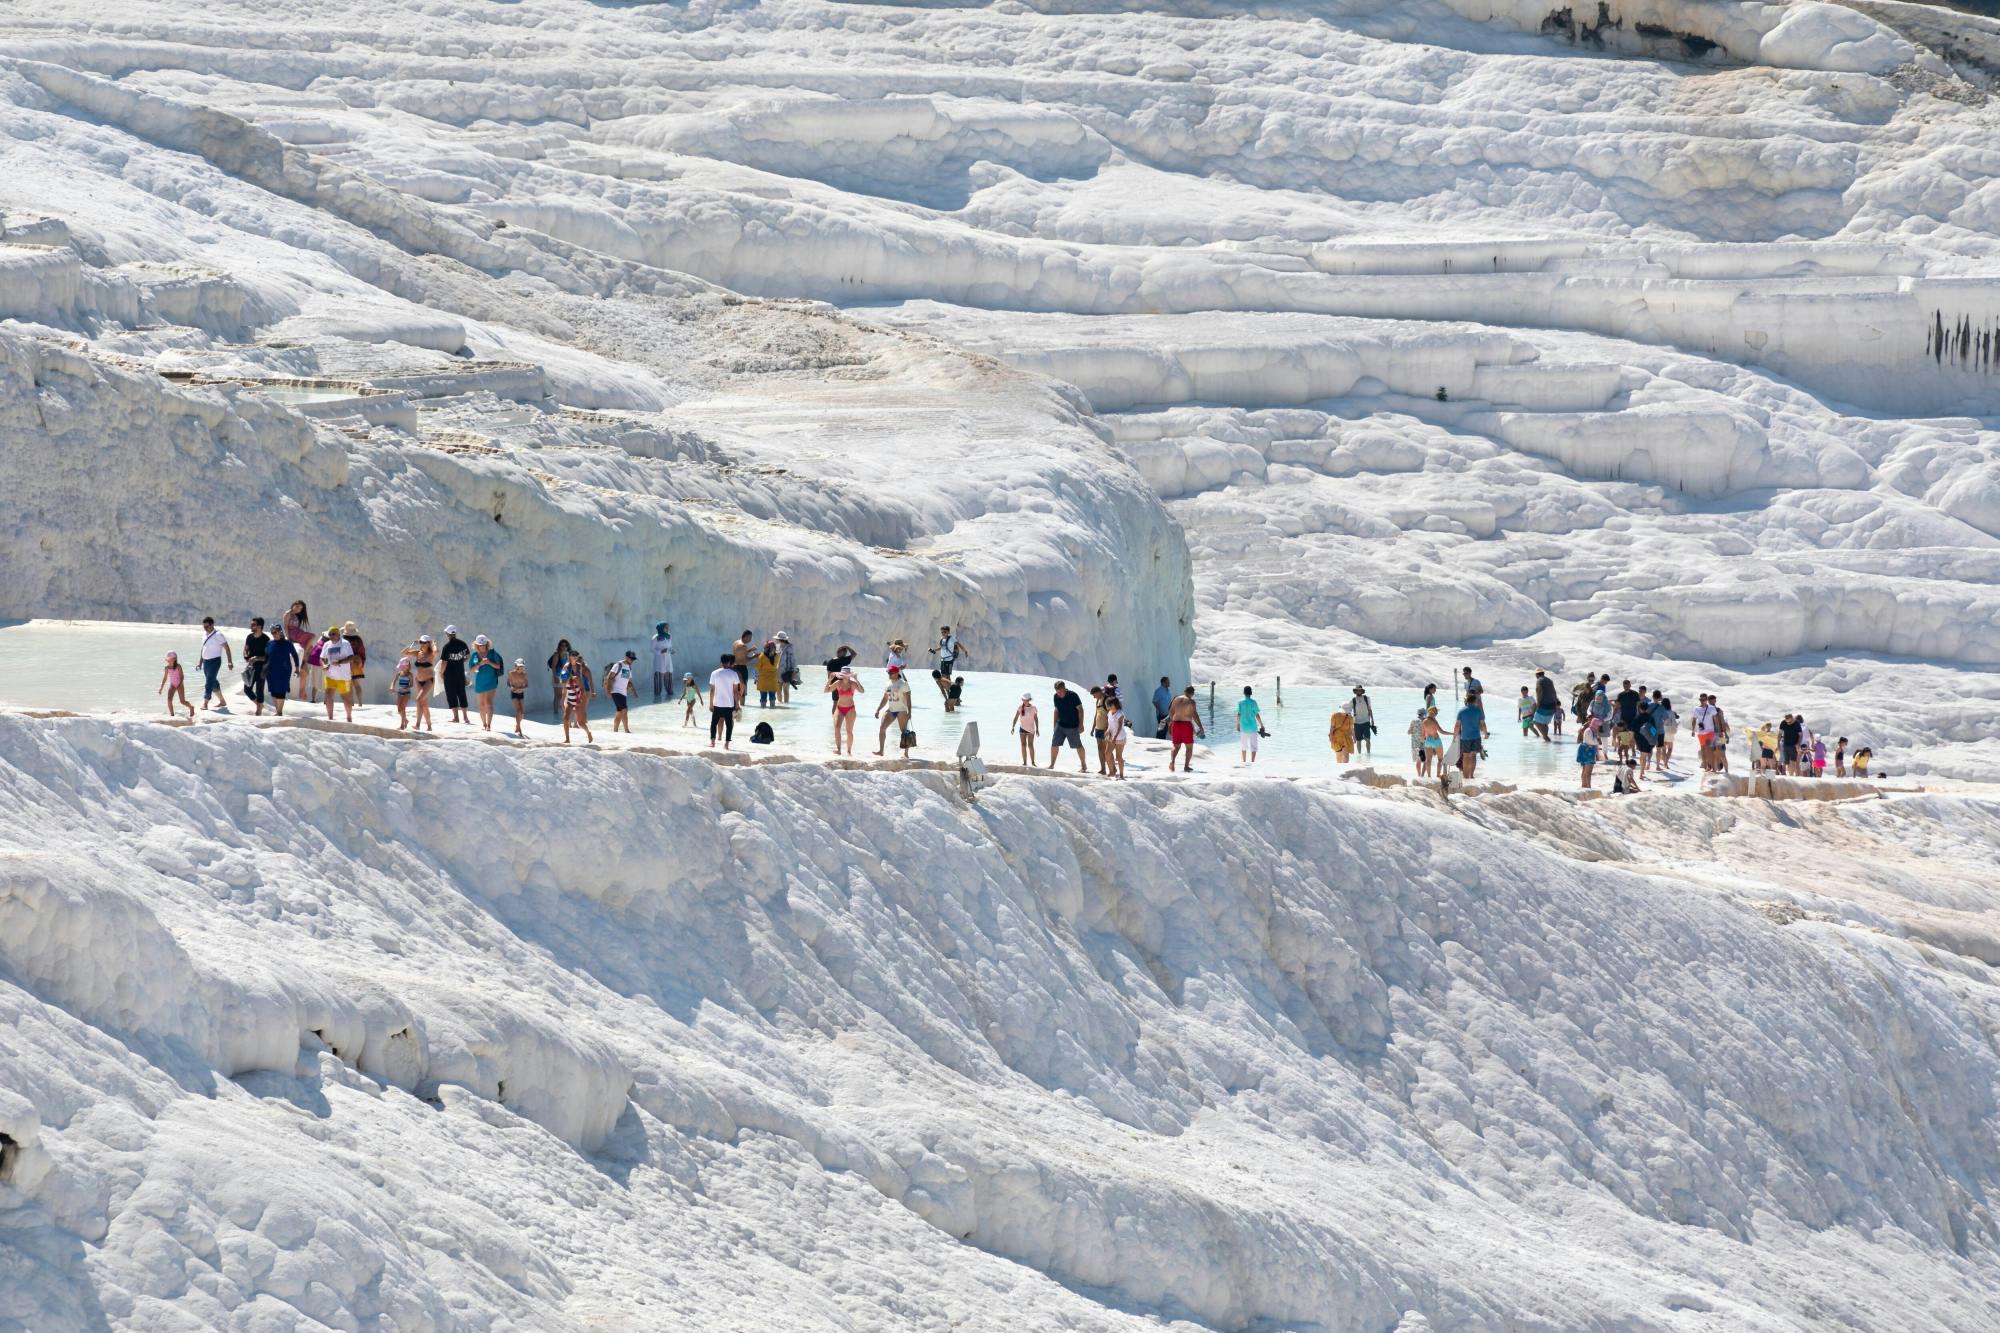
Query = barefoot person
x=1026 y=723
x=403 y=684
x=663 y=661
x=487 y=666
x=558 y=664
x=214 y=647
x=517 y=690
x=298 y=628
x=1069 y=727
x=1117 y=732
x=618 y=684
x=281 y=670
x=845 y=687
x=1470 y=731
x=1340 y=731
x=425 y=664
x=576 y=697
x=256 y=652
x=690 y=700
x=1183 y=725
x=893 y=708
x=358 y=664
x=338 y=660
x=173 y=684
x=1418 y=755
x=725 y=691
x=454 y=656
x=1587 y=752
x=1250 y=727
x=1363 y=709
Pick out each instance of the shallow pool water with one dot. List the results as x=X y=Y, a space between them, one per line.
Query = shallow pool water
x=99 y=665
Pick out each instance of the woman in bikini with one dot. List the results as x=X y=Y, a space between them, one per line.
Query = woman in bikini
x=576 y=697
x=517 y=690
x=558 y=663
x=843 y=685
x=425 y=665
x=1026 y=723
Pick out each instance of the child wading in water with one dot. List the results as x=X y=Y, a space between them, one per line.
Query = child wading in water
x=691 y=696
x=173 y=683
x=517 y=689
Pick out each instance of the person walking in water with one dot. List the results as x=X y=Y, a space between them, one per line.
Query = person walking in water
x=663 y=661
x=846 y=688
x=1340 y=732
x=173 y=684
x=1363 y=712
x=256 y=652
x=1418 y=755
x=282 y=661
x=946 y=651
x=1249 y=727
x=769 y=676
x=1026 y=723
x=338 y=660
x=214 y=648
x=1548 y=705
x=788 y=667
x=487 y=666
x=893 y=708
x=725 y=691
x=1470 y=730
x=454 y=656
x=517 y=690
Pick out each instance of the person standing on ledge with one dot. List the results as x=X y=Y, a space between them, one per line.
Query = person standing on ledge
x=282 y=665
x=256 y=651
x=1250 y=726
x=487 y=666
x=663 y=661
x=454 y=657
x=214 y=648
x=1183 y=725
x=356 y=682
x=517 y=690
x=1068 y=727
x=338 y=659
x=1026 y=723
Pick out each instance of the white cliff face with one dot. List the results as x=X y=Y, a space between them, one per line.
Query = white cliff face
x=1346 y=345
x=293 y=1034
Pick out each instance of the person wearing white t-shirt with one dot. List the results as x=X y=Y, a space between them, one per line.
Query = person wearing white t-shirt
x=618 y=680
x=336 y=657
x=214 y=651
x=724 y=692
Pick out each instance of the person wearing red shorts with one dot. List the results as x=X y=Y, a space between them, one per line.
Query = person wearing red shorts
x=1183 y=725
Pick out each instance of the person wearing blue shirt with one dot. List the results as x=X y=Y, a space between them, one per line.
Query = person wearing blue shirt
x=1249 y=726
x=1163 y=703
x=1470 y=731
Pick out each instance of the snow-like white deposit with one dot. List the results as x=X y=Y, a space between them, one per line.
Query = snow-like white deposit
x=1343 y=343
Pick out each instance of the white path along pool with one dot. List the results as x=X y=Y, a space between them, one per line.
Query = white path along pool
x=99 y=666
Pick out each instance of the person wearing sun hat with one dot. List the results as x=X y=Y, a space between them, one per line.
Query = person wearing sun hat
x=360 y=662
x=517 y=690
x=338 y=660
x=1026 y=723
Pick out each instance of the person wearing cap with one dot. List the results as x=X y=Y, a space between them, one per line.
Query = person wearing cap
x=517 y=690
x=403 y=683
x=487 y=664
x=788 y=667
x=360 y=662
x=338 y=659
x=618 y=684
x=894 y=707
x=453 y=655
x=691 y=697
x=1363 y=709
x=844 y=685
x=663 y=660
x=425 y=665
x=1026 y=723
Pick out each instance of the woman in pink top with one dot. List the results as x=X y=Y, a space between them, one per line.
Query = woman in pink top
x=1026 y=723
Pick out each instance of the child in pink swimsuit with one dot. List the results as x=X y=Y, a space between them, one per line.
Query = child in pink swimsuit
x=173 y=683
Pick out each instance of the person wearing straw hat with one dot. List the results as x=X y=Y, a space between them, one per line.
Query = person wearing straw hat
x=338 y=660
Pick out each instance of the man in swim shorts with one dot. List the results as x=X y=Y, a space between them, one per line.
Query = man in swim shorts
x=1183 y=725
x=1069 y=727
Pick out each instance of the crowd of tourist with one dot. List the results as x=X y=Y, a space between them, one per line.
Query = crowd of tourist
x=1630 y=729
